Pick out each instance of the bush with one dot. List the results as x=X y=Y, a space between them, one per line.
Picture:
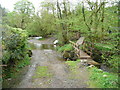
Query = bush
x=105 y=52
x=114 y=62
x=15 y=50
x=66 y=47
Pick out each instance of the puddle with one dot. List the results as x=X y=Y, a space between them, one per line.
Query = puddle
x=48 y=48
x=39 y=46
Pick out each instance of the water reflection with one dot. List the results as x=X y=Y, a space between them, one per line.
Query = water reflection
x=42 y=46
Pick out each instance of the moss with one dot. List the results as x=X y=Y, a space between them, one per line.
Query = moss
x=42 y=72
x=101 y=79
x=73 y=65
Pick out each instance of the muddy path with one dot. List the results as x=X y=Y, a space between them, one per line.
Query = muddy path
x=49 y=70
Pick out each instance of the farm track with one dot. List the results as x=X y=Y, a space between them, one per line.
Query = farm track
x=61 y=75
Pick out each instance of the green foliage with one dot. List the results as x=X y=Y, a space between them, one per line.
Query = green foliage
x=23 y=63
x=15 y=50
x=66 y=47
x=104 y=44
x=41 y=26
x=21 y=16
x=114 y=62
x=102 y=39
x=101 y=79
x=24 y=7
x=103 y=47
x=15 y=43
x=73 y=66
x=13 y=19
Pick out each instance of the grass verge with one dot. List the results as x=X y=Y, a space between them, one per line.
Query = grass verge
x=73 y=66
x=101 y=79
x=42 y=72
x=66 y=47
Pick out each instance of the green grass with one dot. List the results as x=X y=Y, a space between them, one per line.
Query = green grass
x=42 y=72
x=66 y=47
x=73 y=65
x=23 y=63
x=97 y=79
x=74 y=69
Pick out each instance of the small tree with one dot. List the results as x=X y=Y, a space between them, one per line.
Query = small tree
x=24 y=10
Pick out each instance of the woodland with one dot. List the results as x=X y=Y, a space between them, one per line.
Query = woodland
x=98 y=21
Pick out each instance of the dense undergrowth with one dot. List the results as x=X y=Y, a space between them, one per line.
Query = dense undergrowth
x=15 y=51
x=66 y=47
x=97 y=77
x=98 y=23
x=101 y=79
x=105 y=52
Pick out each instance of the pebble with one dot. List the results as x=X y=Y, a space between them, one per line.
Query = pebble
x=91 y=66
x=9 y=79
x=104 y=75
x=83 y=61
x=55 y=42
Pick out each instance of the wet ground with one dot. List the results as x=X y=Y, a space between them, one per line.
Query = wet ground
x=49 y=70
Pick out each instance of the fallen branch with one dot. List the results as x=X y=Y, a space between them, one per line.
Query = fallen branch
x=3 y=65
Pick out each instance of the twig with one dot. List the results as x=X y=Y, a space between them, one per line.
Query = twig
x=3 y=65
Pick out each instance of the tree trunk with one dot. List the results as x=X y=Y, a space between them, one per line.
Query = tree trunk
x=65 y=40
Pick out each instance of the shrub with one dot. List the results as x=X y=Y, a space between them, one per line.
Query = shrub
x=114 y=62
x=15 y=49
x=106 y=53
x=66 y=47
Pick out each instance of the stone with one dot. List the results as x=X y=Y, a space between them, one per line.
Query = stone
x=91 y=66
x=104 y=75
